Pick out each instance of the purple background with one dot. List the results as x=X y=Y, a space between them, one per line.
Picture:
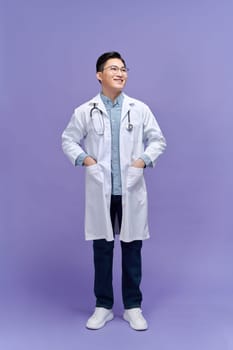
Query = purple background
x=180 y=56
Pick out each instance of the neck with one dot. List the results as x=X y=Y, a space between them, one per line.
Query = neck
x=111 y=94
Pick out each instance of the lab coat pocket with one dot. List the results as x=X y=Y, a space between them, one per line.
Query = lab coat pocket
x=134 y=176
x=94 y=172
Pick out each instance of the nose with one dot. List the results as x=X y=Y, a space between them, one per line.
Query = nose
x=119 y=73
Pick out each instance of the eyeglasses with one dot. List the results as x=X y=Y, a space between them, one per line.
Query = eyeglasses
x=116 y=69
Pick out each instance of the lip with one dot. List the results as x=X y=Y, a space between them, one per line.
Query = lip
x=119 y=80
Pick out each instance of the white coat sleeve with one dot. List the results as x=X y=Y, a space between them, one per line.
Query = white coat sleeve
x=73 y=135
x=154 y=140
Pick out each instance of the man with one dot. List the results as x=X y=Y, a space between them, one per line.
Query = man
x=115 y=137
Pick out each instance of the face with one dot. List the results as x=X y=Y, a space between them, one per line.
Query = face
x=112 y=78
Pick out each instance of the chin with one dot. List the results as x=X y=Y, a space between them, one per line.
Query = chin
x=119 y=86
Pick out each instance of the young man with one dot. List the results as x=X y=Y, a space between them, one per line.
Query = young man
x=120 y=137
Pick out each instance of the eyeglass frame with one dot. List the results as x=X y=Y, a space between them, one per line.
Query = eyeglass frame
x=123 y=70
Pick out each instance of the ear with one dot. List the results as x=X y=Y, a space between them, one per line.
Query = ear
x=99 y=76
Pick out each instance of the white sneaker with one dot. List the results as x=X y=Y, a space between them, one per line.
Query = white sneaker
x=99 y=318
x=135 y=318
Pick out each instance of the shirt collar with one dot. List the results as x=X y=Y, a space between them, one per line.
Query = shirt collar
x=107 y=101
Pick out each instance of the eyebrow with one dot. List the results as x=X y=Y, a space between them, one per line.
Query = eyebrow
x=114 y=65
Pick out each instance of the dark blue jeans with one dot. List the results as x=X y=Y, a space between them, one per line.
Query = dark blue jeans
x=131 y=266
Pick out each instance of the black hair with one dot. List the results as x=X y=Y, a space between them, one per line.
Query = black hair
x=106 y=56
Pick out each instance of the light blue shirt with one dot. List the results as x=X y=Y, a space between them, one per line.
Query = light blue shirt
x=114 y=113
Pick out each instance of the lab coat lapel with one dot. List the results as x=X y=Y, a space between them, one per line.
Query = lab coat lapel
x=126 y=106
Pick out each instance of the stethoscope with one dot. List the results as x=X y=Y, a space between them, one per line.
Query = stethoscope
x=129 y=126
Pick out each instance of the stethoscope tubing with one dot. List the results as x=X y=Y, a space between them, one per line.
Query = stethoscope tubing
x=129 y=126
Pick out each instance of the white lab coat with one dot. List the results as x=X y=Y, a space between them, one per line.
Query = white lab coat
x=146 y=137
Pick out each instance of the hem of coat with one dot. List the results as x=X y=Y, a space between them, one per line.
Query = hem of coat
x=134 y=239
x=93 y=238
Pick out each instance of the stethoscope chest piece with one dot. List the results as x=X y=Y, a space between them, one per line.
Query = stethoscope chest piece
x=129 y=127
